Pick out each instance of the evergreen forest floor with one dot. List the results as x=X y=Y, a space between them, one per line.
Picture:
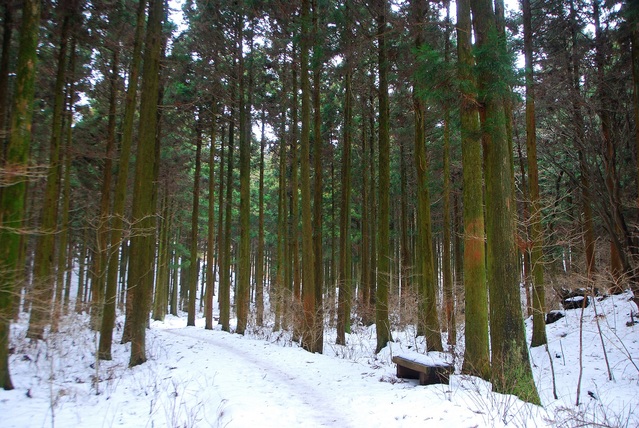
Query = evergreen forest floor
x=210 y=378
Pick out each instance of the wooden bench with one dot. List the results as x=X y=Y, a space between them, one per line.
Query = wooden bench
x=431 y=368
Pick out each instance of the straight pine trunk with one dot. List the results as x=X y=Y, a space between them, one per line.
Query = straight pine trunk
x=476 y=353
x=43 y=278
x=195 y=215
x=383 y=227
x=119 y=197
x=13 y=195
x=143 y=237
x=511 y=372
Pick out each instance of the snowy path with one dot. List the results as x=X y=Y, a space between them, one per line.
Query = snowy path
x=258 y=385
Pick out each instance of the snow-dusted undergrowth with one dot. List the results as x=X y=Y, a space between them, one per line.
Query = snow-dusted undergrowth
x=199 y=378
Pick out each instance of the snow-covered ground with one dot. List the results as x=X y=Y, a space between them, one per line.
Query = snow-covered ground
x=200 y=378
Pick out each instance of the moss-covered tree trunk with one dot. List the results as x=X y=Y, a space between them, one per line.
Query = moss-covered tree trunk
x=318 y=195
x=225 y=274
x=427 y=313
x=195 y=216
x=210 y=246
x=63 y=252
x=365 y=280
x=244 y=259
x=160 y=301
x=345 y=286
x=383 y=226
x=43 y=269
x=12 y=199
x=282 y=266
x=447 y=273
x=511 y=372
x=143 y=234
x=539 y=295
x=259 y=268
x=308 y=256
x=476 y=352
x=119 y=196
x=103 y=230
x=7 y=32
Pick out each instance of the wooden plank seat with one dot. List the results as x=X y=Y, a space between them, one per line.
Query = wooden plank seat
x=431 y=368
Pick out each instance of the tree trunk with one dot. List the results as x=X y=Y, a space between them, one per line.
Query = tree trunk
x=449 y=297
x=12 y=200
x=281 y=288
x=162 y=283
x=43 y=279
x=195 y=216
x=308 y=257
x=101 y=257
x=119 y=197
x=225 y=274
x=345 y=282
x=210 y=246
x=318 y=195
x=143 y=236
x=536 y=253
x=509 y=352
x=427 y=313
x=63 y=252
x=4 y=80
x=383 y=227
x=244 y=261
x=259 y=269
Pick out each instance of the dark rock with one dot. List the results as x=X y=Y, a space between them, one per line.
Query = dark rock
x=554 y=316
x=574 y=299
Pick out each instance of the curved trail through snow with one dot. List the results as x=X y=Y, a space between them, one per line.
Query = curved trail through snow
x=261 y=383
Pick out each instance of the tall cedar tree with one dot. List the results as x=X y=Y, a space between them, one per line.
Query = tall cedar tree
x=259 y=268
x=195 y=215
x=308 y=257
x=449 y=293
x=100 y=258
x=244 y=262
x=64 y=254
x=142 y=250
x=318 y=196
x=345 y=287
x=17 y=160
x=119 y=197
x=539 y=295
x=45 y=250
x=511 y=372
x=4 y=77
x=210 y=245
x=476 y=352
x=579 y=135
x=428 y=313
x=383 y=226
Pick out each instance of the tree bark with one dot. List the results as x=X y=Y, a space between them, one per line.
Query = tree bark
x=12 y=199
x=210 y=247
x=259 y=269
x=536 y=252
x=511 y=372
x=318 y=195
x=383 y=227
x=119 y=197
x=195 y=216
x=143 y=236
x=428 y=318
x=45 y=250
x=308 y=255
